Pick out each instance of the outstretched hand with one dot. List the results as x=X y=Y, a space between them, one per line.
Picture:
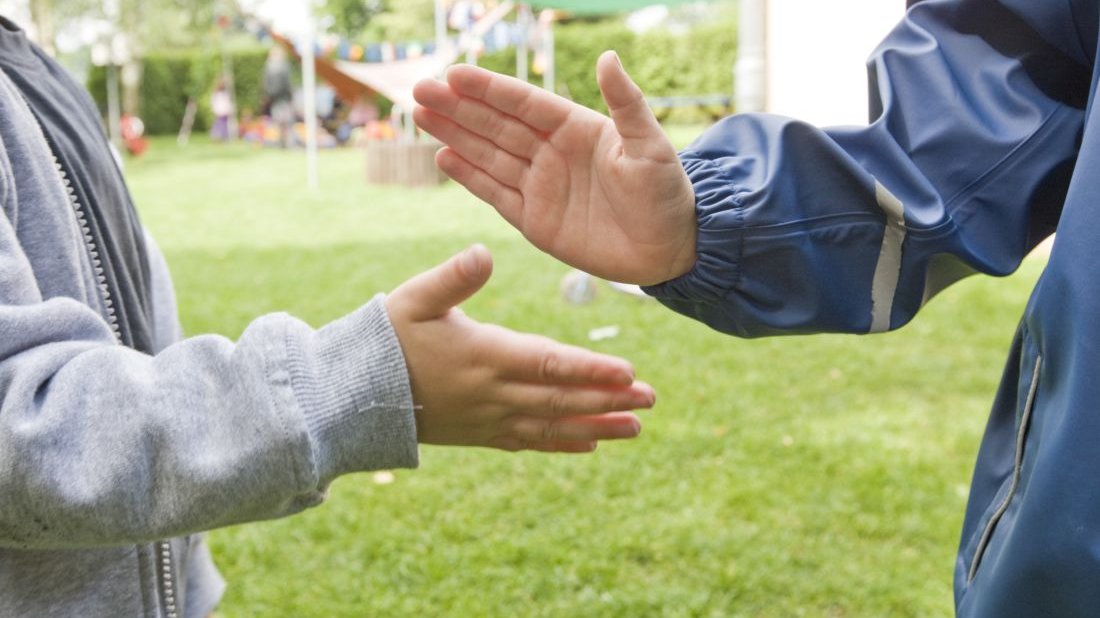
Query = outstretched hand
x=605 y=195
x=483 y=385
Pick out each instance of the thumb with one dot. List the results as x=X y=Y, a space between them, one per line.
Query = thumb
x=627 y=105
x=434 y=292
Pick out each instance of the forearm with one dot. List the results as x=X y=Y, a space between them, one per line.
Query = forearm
x=101 y=445
x=851 y=230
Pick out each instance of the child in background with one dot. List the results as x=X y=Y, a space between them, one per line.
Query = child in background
x=221 y=104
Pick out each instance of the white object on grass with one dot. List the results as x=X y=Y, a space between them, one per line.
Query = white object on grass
x=578 y=287
x=603 y=332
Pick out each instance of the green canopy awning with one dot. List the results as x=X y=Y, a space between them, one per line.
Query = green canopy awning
x=600 y=7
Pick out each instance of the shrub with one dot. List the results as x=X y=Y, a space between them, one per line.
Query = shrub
x=169 y=79
x=166 y=83
x=663 y=63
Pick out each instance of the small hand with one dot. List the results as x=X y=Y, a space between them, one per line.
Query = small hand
x=483 y=385
x=606 y=195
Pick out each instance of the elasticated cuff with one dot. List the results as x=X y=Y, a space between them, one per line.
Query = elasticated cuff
x=353 y=386
x=718 y=212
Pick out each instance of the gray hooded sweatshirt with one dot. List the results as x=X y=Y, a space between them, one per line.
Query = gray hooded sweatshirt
x=112 y=460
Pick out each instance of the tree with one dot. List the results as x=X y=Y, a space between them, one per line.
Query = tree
x=166 y=23
x=350 y=17
x=50 y=16
x=404 y=20
x=145 y=23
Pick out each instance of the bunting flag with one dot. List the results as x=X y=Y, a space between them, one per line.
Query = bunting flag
x=502 y=36
x=478 y=31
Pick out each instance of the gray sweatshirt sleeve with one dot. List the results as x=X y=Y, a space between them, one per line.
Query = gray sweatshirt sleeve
x=102 y=445
x=165 y=319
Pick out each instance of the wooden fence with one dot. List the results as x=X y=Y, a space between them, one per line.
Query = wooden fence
x=403 y=162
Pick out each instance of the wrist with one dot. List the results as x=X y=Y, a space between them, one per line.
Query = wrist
x=684 y=258
x=351 y=380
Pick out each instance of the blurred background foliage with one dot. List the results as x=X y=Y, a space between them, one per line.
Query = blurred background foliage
x=693 y=57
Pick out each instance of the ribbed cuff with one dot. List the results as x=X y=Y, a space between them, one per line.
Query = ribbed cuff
x=352 y=383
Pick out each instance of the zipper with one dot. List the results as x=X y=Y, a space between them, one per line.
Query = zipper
x=167 y=578
x=82 y=219
x=85 y=229
x=93 y=250
x=1018 y=464
x=165 y=571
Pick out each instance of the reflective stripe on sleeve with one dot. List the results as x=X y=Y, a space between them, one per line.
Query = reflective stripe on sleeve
x=888 y=269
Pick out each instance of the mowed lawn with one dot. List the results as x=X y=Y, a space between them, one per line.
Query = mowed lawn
x=800 y=476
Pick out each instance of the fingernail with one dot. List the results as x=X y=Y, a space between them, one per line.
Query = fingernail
x=645 y=391
x=469 y=261
x=628 y=376
x=471 y=265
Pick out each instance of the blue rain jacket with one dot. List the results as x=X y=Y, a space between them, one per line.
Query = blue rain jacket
x=984 y=139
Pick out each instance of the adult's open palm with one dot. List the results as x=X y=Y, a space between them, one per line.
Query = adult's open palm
x=605 y=195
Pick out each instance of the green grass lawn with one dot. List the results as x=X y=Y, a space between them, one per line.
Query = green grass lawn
x=804 y=476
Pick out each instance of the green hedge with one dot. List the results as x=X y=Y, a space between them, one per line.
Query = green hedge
x=248 y=72
x=663 y=63
x=169 y=79
x=166 y=83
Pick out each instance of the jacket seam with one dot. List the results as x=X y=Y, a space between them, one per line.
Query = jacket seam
x=738 y=265
x=994 y=170
x=5 y=179
x=1017 y=472
x=1076 y=29
x=821 y=222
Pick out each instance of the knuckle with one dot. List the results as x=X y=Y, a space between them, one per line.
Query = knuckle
x=500 y=160
x=557 y=403
x=525 y=433
x=525 y=107
x=461 y=110
x=636 y=100
x=497 y=129
x=549 y=366
x=550 y=432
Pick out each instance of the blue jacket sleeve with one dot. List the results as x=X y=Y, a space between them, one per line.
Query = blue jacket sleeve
x=976 y=118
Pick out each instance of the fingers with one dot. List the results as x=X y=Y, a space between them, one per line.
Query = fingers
x=560 y=447
x=506 y=200
x=535 y=359
x=434 y=292
x=627 y=105
x=536 y=107
x=499 y=128
x=571 y=435
x=542 y=401
x=505 y=167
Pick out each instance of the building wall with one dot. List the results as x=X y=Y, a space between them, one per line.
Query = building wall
x=816 y=56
